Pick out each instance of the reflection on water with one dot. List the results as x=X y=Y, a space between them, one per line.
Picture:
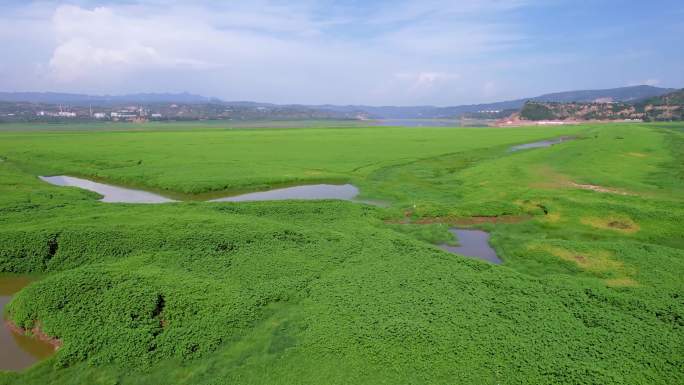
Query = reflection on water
x=473 y=243
x=314 y=191
x=112 y=194
x=126 y=195
x=541 y=143
x=18 y=351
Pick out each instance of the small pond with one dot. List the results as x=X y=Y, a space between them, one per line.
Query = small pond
x=541 y=143
x=314 y=191
x=473 y=244
x=111 y=194
x=18 y=351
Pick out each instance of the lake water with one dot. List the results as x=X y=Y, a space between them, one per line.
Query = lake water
x=314 y=191
x=18 y=351
x=111 y=194
x=541 y=143
x=473 y=244
x=417 y=122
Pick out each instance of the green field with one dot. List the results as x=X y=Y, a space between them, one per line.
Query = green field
x=591 y=232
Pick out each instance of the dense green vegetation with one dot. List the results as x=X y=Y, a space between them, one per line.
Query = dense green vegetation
x=339 y=292
x=536 y=111
x=198 y=162
x=671 y=99
x=176 y=126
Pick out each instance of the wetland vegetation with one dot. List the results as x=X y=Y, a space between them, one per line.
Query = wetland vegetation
x=331 y=291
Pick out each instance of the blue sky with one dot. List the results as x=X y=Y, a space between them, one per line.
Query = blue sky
x=405 y=52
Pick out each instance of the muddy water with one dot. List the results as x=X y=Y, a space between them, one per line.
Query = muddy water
x=18 y=351
x=112 y=194
x=314 y=191
x=540 y=144
x=473 y=244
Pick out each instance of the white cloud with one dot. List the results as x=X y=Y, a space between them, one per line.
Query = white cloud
x=466 y=27
x=646 y=82
x=103 y=43
x=404 y=52
x=426 y=80
x=489 y=88
x=459 y=39
x=430 y=11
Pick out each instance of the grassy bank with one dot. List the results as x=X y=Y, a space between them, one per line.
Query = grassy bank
x=336 y=292
x=197 y=161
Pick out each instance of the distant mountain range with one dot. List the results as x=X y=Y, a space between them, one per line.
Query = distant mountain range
x=622 y=94
x=104 y=100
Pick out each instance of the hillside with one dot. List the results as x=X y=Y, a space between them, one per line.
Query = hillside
x=102 y=100
x=622 y=94
x=671 y=99
x=200 y=107
x=667 y=107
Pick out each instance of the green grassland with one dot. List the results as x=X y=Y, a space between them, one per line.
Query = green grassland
x=311 y=292
x=178 y=126
x=193 y=162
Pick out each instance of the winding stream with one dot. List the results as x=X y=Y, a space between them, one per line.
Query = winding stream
x=18 y=351
x=307 y=192
x=116 y=194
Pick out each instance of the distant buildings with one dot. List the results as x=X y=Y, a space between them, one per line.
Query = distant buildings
x=59 y=114
x=130 y=114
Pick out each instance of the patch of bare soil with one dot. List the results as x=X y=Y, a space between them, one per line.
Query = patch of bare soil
x=36 y=333
x=515 y=120
x=464 y=221
x=598 y=262
x=619 y=225
x=507 y=219
x=621 y=282
x=637 y=154
x=599 y=189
